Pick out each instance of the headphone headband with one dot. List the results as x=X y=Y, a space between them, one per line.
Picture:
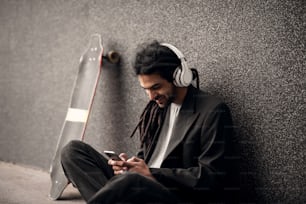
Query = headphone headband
x=178 y=53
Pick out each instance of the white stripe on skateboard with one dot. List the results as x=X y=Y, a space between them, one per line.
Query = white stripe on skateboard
x=77 y=115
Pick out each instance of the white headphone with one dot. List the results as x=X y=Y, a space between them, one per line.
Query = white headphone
x=182 y=76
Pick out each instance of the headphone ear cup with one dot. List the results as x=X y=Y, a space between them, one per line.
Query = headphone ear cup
x=187 y=77
x=181 y=79
x=182 y=75
x=177 y=77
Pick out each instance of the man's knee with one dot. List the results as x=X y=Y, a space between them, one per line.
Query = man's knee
x=70 y=150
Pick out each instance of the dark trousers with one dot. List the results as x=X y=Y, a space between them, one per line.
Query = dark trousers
x=88 y=170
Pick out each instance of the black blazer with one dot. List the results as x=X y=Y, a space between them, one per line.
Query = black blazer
x=196 y=159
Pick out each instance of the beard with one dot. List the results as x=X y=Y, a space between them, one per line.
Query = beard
x=163 y=100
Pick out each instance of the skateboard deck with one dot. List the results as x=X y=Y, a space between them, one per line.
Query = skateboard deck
x=79 y=108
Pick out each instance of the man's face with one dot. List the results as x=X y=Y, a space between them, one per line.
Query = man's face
x=158 y=89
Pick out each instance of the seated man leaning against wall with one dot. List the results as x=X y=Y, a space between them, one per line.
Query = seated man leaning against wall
x=184 y=134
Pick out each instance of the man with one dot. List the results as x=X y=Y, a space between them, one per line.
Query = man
x=184 y=134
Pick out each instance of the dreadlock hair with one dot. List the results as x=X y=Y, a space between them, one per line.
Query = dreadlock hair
x=150 y=123
x=153 y=58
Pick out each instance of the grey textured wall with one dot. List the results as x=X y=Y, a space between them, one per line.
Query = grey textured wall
x=252 y=53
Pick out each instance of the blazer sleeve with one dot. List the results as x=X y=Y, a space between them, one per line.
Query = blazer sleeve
x=210 y=169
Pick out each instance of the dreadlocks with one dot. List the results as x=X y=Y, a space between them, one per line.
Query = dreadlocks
x=150 y=123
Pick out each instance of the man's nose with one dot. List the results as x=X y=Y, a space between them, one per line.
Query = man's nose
x=151 y=94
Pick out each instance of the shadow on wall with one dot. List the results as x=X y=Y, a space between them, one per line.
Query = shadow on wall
x=243 y=173
x=246 y=170
x=246 y=173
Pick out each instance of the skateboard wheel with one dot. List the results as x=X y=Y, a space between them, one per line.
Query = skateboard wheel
x=113 y=57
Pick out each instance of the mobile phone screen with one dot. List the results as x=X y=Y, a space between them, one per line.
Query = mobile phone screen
x=112 y=155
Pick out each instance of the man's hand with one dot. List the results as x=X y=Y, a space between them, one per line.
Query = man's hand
x=138 y=165
x=119 y=166
x=133 y=164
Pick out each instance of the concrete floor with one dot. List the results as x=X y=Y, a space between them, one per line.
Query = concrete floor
x=19 y=184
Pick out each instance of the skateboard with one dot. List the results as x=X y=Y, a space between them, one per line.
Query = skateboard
x=79 y=108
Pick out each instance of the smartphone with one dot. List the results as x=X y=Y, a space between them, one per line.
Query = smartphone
x=112 y=155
